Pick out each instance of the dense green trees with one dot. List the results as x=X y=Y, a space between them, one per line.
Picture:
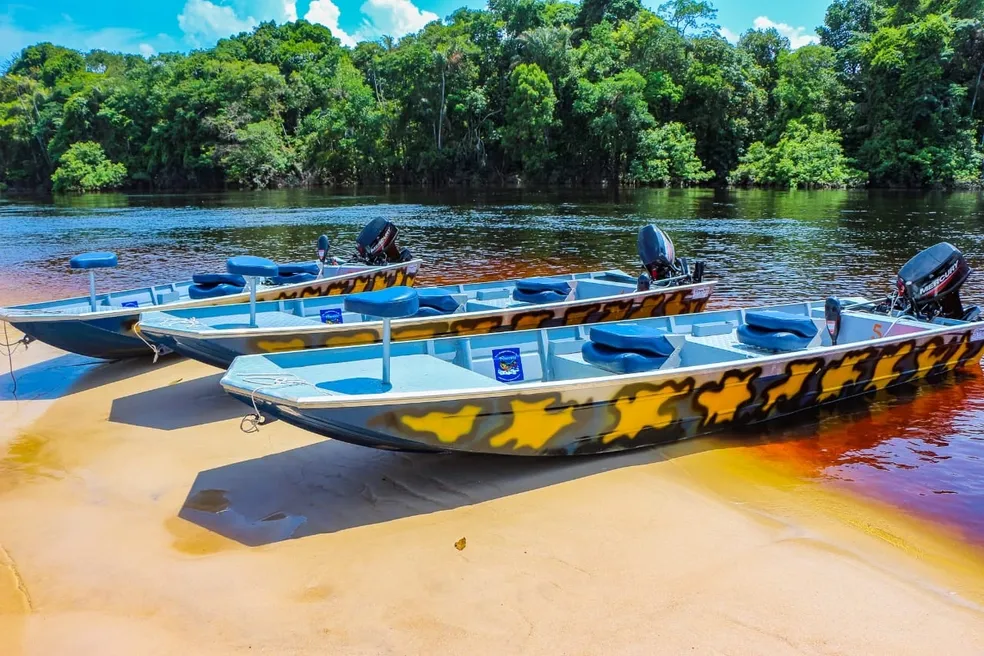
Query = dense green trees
x=603 y=91
x=84 y=167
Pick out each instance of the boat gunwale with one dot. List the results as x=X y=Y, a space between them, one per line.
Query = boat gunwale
x=32 y=316
x=329 y=401
x=232 y=333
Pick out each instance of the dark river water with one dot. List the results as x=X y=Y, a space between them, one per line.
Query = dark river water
x=920 y=450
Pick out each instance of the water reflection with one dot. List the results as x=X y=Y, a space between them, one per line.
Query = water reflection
x=918 y=448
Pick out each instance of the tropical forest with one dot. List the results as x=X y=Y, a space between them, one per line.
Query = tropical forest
x=531 y=92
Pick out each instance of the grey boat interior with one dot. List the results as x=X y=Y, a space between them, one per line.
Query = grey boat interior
x=145 y=298
x=563 y=354
x=315 y=312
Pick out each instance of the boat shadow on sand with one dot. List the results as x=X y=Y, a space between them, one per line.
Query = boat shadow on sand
x=332 y=486
x=60 y=376
x=200 y=400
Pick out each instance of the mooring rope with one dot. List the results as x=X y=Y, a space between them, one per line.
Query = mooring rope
x=157 y=350
x=167 y=322
x=251 y=423
x=9 y=348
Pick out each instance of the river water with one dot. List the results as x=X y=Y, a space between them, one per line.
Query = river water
x=919 y=450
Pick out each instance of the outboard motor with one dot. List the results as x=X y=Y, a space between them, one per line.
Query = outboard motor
x=928 y=286
x=376 y=244
x=659 y=258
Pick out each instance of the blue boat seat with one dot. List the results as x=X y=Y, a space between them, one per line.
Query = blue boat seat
x=197 y=292
x=293 y=268
x=293 y=278
x=219 y=279
x=96 y=260
x=437 y=299
x=627 y=348
x=389 y=303
x=777 y=331
x=425 y=312
x=538 y=298
x=536 y=285
x=541 y=290
x=799 y=324
x=632 y=337
x=250 y=265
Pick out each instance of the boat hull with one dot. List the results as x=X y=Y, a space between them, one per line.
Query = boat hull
x=220 y=350
x=602 y=416
x=112 y=334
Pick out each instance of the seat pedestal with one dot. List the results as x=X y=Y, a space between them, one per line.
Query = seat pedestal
x=386 y=304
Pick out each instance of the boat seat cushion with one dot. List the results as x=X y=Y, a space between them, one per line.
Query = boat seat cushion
x=219 y=279
x=539 y=298
x=619 y=362
x=634 y=337
x=97 y=260
x=772 y=340
x=438 y=300
x=536 y=285
x=293 y=278
x=774 y=321
x=250 y=265
x=292 y=268
x=425 y=312
x=197 y=292
x=390 y=303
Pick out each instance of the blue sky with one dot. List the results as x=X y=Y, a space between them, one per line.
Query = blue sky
x=150 y=26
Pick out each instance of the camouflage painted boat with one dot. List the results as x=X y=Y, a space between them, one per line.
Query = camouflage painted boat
x=590 y=389
x=102 y=325
x=218 y=335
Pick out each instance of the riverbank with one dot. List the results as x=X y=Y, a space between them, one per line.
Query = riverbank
x=135 y=517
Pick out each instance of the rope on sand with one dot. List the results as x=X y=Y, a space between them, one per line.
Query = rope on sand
x=8 y=348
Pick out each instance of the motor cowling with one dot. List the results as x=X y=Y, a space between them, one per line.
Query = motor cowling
x=932 y=279
x=376 y=244
x=659 y=258
x=657 y=253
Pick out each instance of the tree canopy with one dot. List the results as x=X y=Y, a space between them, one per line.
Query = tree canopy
x=546 y=91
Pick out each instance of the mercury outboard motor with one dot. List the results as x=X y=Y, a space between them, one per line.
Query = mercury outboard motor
x=928 y=286
x=376 y=244
x=659 y=258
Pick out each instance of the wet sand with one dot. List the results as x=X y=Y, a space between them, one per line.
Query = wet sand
x=136 y=518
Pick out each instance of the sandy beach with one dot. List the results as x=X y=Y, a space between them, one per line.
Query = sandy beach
x=136 y=518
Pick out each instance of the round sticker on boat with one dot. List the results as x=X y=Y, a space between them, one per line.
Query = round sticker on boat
x=412 y=269
x=700 y=292
x=508 y=365
x=977 y=335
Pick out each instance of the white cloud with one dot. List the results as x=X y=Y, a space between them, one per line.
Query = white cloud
x=730 y=36
x=326 y=13
x=290 y=10
x=280 y=11
x=392 y=18
x=798 y=36
x=204 y=22
x=146 y=50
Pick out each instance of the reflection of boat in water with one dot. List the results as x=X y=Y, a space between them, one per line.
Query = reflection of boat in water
x=102 y=325
x=616 y=386
x=854 y=431
x=915 y=447
x=216 y=335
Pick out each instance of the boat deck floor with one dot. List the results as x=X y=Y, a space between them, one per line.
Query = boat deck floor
x=408 y=373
